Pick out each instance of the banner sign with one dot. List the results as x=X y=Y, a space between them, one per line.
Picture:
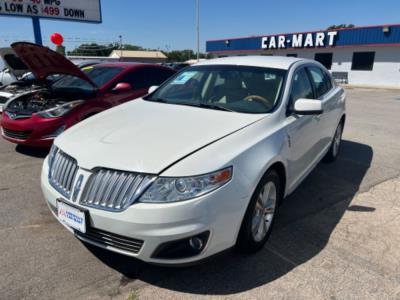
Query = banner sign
x=299 y=40
x=71 y=10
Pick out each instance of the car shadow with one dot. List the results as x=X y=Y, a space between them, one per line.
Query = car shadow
x=303 y=227
x=32 y=151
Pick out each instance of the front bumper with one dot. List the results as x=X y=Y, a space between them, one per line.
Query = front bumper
x=34 y=131
x=220 y=213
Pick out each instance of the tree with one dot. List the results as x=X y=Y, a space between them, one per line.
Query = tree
x=184 y=55
x=93 y=49
x=132 y=47
x=179 y=55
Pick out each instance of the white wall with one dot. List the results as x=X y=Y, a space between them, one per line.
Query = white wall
x=385 y=72
x=386 y=69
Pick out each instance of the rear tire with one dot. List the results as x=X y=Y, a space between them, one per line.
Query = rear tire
x=334 y=149
x=260 y=215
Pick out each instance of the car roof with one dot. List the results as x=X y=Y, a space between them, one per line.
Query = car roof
x=85 y=63
x=125 y=65
x=277 y=62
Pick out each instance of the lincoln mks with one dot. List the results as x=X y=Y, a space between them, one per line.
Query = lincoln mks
x=201 y=163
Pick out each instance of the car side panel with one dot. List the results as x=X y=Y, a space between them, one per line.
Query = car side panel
x=304 y=144
x=334 y=109
x=324 y=127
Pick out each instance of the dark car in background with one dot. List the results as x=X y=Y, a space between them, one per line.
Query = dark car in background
x=13 y=68
x=177 y=66
x=36 y=117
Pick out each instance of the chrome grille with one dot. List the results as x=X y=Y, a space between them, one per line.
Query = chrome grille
x=62 y=172
x=114 y=190
x=111 y=239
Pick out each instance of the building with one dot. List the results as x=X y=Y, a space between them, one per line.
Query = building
x=100 y=59
x=367 y=55
x=139 y=56
x=194 y=61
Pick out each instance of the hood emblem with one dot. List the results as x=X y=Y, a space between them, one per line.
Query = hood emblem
x=77 y=188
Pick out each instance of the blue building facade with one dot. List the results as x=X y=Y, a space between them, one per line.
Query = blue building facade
x=382 y=35
x=367 y=56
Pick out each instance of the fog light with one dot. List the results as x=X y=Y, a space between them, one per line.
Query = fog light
x=183 y=248
x=196 y=243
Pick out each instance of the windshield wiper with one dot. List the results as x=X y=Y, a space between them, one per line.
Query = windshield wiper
x=157 y=100
x=215 y=106
x=201 y=105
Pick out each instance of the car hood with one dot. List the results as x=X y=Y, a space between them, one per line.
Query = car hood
x=13 y=62
x=43 y=62
x=148 y=137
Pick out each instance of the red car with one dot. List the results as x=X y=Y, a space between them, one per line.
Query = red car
x=35 y=118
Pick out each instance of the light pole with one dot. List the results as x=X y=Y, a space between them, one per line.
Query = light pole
x=198 y=29
x=120 y=45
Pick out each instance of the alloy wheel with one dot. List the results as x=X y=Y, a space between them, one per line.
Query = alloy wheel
x=264 y=211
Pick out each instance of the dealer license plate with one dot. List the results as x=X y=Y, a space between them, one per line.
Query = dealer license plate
x=71 y=216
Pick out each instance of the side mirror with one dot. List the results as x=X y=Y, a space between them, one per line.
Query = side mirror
x=122 y=87
x=152 y=88
x=308 y=107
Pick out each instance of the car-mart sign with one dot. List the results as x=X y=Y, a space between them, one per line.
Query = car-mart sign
x=72 y=10
x=300 y=40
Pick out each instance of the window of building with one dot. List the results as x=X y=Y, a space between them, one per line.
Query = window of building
x=291 y=55
x=363 y=61
x=325 y=59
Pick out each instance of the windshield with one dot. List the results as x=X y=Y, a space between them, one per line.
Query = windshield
x=99 y=75
x=231 y=88
x=14 y=62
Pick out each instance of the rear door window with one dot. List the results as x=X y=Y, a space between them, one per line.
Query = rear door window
x=161 y=75
x=320 y=81
x=301 y=86
x=147 y=77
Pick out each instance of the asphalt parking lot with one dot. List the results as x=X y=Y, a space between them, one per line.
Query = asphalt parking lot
x=336 y=237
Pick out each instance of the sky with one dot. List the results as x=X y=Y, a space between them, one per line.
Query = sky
x=169 y=25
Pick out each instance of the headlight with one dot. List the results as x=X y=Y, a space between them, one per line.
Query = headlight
x=60 y=110
x=171 y=189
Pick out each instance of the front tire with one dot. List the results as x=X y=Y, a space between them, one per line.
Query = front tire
x=259 y=218
x=334 y=149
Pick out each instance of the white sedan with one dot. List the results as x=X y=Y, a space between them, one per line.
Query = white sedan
x=200 y=164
